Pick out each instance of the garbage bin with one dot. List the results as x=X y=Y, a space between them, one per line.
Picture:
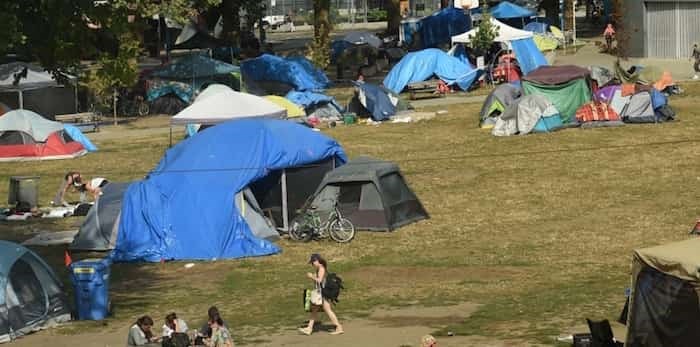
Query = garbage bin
x=91 y=288
x=24 y=189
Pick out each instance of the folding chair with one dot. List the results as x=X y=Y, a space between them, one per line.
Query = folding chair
x=602 y=334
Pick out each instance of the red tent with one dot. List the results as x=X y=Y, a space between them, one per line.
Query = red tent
x=25 y=135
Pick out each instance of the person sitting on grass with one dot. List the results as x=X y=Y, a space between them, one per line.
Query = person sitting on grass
x=212 y=313
x=140 y=333
x=173 y=325
x=220 y=336
x=428 y=341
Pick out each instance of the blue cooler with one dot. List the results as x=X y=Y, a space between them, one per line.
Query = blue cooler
x=91 y=288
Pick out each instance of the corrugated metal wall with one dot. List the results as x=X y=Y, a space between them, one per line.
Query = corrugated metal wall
x=672 y=28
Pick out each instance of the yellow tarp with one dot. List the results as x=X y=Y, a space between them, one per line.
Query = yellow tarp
x=556 y=32
x=545 y=43
x=293 y=110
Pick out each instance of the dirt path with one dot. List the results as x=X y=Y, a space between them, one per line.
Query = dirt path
x=395 y=328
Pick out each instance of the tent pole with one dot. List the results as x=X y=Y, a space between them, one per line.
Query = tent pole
x=171 y=137
x=285 y=215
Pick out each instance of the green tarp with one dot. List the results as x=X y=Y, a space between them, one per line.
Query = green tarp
x=566 y=97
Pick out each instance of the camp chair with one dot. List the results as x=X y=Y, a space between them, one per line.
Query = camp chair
x=602 y=334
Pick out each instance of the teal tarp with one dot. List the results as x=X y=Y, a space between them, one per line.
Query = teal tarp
x=566 y=97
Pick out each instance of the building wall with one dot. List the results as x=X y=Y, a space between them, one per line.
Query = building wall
x=662 y=28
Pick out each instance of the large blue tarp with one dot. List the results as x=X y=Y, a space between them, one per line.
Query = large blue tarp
x=297 y=72
x=376 y=101
x=420 y=66
x=78 y=136
x=311 y=99
x=507 y=10
x=529 y=57
x=185 y=208
x=439 y=27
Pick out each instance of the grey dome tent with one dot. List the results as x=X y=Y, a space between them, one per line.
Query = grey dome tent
x=371 y=193
x=100 y=229
x=31 y=297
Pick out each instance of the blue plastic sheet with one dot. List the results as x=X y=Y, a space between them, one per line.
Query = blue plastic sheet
x=507 y=10
x=297 y=72
x=311 y=99
x=78 y=136
x=420 y=66
x=529 y=57
x=185 y=208
x=439 y=27
x=537 y=27
x=657 y=98
x=376 y=101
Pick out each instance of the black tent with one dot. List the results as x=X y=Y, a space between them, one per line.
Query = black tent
x=371 y=193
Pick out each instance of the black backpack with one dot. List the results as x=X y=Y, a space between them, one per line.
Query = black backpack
x=176 y=340
x=331 y=290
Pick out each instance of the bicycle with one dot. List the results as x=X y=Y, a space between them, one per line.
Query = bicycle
x=310 y=226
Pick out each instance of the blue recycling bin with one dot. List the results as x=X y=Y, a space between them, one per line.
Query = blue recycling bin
x=91 y=288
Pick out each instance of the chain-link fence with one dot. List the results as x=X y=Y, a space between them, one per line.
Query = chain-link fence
x=342 y=11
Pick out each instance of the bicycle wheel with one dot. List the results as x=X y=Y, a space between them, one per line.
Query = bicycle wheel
x=144 y=109
x=342 y=230
x=300 y=232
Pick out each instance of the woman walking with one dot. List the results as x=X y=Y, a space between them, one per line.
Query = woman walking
x=319 y=279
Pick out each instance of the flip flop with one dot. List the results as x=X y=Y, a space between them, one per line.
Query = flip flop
x=305 y=331
x=338 y=332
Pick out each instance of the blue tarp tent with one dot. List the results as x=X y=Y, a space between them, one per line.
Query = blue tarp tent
x=420 y=66
x=297 y=72
x=78 y=135
x=311 y=99
x=507 y=10
x=185 y=209
x=529 y=57
x=439 y=27
x=376 y=100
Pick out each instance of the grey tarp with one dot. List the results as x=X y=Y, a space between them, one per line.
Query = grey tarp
x=250 y=210
x=505 y=94
x=28 y=122
x=32 y=297
x=371 y=193
x=99 y=230
x=601 y=75
x=639 y=109
x=664 y=307
x=523 y=115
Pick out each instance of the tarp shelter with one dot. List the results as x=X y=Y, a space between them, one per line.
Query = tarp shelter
x=422 y=65
x=566 y=86
x=100 y=228
x=664 y=308
x=25 y=135
x=441 y=26
x=191 y=38
x=315 y=104
x=198 y=70
x=185 y=208
x=508 y=10
x=530 y=113
x=639 y=109
x=537 y=27
x=296 y=72
x=526 y=51
x=31 y=296
x=497 y=102
x=226 y=105
x=372 y=193
x=26 y=86
x=362 y=37
x=293 y=110
x=380 y=103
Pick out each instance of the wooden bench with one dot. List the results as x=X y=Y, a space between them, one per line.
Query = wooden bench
x=425 y=87
x=85 y=121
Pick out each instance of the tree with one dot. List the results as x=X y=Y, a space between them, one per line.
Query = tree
x=487 y=32
x=319 y=49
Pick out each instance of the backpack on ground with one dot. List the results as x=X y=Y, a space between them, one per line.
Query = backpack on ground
x=331 y=290
x=176 y=340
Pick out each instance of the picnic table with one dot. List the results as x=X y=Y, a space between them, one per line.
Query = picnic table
x=429 y=87
x=85 y=121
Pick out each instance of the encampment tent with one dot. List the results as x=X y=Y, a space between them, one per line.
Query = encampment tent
x=664 y=308
x=25 y=135
x=31 y=296
x=373 y=100
x=566 y=86
x=198 y=70
x=438 y=28
x=530 y=113
x=226 y=104
x=99 y=230
x=297 y=73
x=26 y=86
x=497 y=102
x=293 y=110
x=371 y=193
x=185 y=208
x=422 y=65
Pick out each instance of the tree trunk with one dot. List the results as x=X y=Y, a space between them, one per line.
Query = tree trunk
x=231 y=31
x=322 y=21
x=393 y=11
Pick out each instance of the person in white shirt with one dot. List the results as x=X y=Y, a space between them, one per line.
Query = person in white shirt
x=173 y=325
x=75 y=180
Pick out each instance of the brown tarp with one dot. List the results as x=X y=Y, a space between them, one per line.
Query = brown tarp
x=553 y=75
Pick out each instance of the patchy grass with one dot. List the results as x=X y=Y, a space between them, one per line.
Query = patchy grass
x=537 y=229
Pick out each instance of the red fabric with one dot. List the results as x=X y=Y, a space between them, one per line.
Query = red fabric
x=596 y=111
x=54 y=146
x=628 y=89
